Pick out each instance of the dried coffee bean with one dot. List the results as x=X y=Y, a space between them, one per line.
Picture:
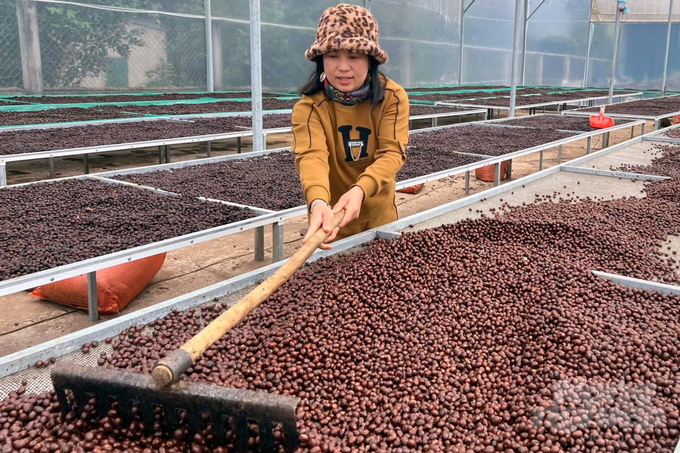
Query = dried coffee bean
x=53 y=224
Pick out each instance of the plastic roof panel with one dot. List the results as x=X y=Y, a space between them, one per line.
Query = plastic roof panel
x=640 y=11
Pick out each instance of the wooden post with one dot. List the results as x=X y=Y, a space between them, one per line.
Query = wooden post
x=29 y=43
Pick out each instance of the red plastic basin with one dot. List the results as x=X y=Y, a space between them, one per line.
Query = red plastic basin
x=601 y=122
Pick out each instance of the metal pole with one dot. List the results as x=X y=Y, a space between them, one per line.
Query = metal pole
x=92 y=301
x=524 y=39
x=256 y=73
x=668 y=46
x=259 y=243
x=519 y=13
x=590 y=44
x=527 y=16
x=277 y=241
x=617 y=24
x=208 y=45
x=461 y=34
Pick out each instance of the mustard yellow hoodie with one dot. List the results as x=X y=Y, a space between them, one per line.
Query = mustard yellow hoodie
x=339 y=146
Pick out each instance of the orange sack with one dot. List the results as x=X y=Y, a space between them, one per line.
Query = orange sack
x=412 y=189
x=116 y=286
x=488 y=173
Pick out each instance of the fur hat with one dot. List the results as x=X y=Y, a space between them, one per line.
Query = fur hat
x=348 y=27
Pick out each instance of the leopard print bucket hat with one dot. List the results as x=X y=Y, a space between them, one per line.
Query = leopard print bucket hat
x=348 y=27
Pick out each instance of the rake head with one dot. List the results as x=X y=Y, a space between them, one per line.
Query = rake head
x=190 y=406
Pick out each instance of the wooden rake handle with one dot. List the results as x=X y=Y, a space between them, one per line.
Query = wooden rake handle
x=173 y=365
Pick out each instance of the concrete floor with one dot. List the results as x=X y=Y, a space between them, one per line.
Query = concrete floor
x=638 y=154
x=580 y=185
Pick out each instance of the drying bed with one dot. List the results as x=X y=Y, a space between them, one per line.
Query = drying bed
x=449 y=96
x=268 y=182
x=542 y=99
x=423 y=161
x=477 y=94
x=520 y=89
x=273 y=121
x=568 y=95
x=484 y=140
x=63 y=115
x=37 y=140
x=415 y=109
x=70 y=114
x=467 y=337
x=209 y=107
x=672 y=133
x=575 y=95
x=665 y=162
x=73 y=114
x=557 y=122
x=528 y=96
x=647 y=107
x=271 y=182
x=130 y=98
x=43 y=226
x=457 y=88
x=488 y=335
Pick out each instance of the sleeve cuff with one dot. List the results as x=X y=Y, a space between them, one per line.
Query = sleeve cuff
x=369 y=186
x=317 y=193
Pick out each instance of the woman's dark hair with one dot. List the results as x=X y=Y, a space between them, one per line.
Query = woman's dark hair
x=376 y=90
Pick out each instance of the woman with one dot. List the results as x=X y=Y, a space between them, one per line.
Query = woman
x=350 y=127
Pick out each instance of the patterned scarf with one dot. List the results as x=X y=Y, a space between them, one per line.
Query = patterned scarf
x=352 y=98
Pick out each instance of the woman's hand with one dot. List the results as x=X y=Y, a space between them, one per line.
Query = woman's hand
x=321 y=217
x=351 y=203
